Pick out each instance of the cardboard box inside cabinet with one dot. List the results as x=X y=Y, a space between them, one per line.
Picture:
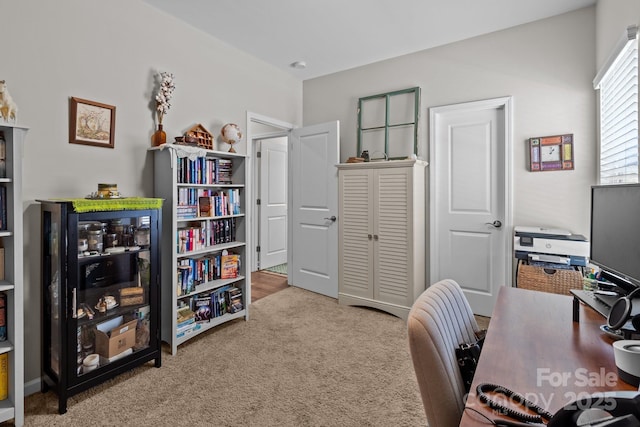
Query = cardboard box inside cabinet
x=119 y=339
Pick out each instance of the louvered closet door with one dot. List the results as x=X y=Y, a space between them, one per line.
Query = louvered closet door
x=356 y=225
x=393 y=228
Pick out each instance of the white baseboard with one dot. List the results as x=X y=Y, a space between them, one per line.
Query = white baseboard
x=32 y=387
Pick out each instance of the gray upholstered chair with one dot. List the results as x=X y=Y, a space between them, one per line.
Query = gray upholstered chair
x=439 y=321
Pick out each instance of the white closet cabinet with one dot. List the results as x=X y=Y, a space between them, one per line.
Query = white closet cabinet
x=382 y=222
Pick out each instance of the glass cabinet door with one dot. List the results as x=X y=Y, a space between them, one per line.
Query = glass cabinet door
x=53 y=277
x=111 y=301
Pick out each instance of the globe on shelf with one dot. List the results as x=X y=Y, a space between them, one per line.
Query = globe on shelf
x=231 y=133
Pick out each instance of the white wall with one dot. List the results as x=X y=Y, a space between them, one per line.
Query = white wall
x=547 y=66
x=109 y=51
x=612 y=20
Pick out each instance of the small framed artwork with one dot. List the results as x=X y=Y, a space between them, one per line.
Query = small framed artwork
x=551 y=153
x=91 y=123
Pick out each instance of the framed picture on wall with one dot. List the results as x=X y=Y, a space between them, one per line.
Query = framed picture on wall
x=551 y=153
x=91 y=123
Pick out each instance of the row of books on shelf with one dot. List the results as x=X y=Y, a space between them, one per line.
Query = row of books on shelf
x=193 y=203
x=192 y=272
x=3 y=207
x=220 y=203
x=206 y=306
x=204 y=170
x=3 y=156
x=200 y=235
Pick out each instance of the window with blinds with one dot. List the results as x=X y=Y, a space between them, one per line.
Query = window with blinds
x=618 y=87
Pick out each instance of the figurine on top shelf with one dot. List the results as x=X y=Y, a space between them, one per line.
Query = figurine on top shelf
x=8 y=108
x=198 y=136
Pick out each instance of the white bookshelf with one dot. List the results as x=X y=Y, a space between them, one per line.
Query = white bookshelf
x=13 y=283
x=167 y=186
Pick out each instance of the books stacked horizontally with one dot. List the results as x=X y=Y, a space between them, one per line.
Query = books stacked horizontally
x=186 y=211
x=186 y=321
x=224 y=171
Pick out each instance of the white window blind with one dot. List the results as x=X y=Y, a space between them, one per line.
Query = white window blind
x=618 y=87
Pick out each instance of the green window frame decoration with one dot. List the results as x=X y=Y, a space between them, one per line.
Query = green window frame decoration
x=388 y=123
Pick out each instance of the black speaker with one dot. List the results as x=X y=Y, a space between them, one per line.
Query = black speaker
x=622 y=310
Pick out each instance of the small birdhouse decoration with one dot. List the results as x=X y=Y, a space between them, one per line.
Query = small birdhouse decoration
x=199 y=136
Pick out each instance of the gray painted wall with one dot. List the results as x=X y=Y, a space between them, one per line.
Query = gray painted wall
x=547 y=66
x=109 y=52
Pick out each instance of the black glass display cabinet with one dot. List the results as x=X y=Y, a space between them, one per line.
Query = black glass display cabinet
x=100 y=294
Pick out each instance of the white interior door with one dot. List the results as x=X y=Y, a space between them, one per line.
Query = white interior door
x=273 y=202
x=470 y=198
x=313 y=259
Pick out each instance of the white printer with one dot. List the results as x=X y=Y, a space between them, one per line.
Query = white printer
x=550 y=245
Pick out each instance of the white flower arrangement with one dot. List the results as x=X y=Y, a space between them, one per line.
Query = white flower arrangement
x=165 y=92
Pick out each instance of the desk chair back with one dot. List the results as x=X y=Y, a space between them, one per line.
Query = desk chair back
x=439 y=321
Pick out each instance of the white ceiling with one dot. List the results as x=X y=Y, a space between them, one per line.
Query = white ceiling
x=336 y=35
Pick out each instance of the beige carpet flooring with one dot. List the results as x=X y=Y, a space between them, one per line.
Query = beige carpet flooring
x=301 y=360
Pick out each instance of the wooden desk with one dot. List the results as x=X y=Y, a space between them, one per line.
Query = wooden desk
x=533 y=347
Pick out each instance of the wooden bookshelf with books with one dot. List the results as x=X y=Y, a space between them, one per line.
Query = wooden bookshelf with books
x=205 y=234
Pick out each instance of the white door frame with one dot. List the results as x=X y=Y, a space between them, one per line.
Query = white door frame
x=270 y=215
x=505 y=103
x=252 y=137
x=255 y=182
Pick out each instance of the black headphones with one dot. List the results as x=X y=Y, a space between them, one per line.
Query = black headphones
x=636 y=322
x=622 y=310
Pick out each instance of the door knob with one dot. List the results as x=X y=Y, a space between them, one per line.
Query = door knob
x=496 y=223
x=332 y=218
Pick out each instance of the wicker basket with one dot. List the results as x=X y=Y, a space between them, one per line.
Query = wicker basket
x=548 y=279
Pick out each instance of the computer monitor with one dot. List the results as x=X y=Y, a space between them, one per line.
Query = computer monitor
x=615 y=233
